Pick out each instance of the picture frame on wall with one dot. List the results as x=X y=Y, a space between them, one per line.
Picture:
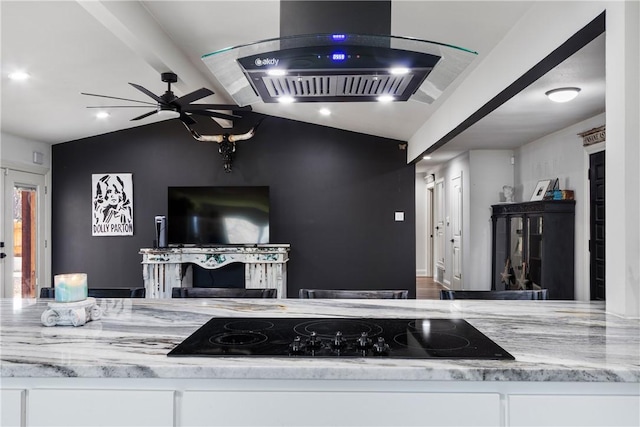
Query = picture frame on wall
x=540 y=190
x=112 y=204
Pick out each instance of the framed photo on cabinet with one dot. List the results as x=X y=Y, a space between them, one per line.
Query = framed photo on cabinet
x=540 y=190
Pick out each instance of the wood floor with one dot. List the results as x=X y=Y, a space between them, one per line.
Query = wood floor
x=427 y=288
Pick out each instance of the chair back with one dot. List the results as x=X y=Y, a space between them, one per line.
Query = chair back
x=353 y=294
x=102 y=292
x=117 y=292
x=496 y=295
x=223 y=293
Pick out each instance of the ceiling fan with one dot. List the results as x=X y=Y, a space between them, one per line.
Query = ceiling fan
x=169 y=104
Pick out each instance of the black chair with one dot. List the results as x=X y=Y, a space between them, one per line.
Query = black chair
x=496 y=295
x=223 y=293
x=102 y=292
x=353 y=294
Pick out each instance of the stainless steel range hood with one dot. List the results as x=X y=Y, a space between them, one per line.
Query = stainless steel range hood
x=338 y=68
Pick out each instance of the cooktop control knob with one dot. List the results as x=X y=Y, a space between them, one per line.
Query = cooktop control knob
x=338 y=341
x=380 y=348
x=314 y=342
x=296 y=347
x=363 y=342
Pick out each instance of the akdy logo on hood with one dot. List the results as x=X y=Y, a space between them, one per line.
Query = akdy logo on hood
x=266 y=61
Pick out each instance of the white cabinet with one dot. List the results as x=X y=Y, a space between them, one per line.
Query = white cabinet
x=82 y=407
x=11 y=404
x=575 y=410
x=336 y=408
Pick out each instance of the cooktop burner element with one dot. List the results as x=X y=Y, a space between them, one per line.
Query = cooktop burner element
x=340 y=337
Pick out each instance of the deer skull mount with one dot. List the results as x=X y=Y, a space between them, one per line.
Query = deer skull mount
x=226 y=143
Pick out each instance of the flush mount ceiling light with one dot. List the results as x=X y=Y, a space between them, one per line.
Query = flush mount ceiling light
x=102 y=114
x=338 y=68
x=325 y=111
x=563 y=94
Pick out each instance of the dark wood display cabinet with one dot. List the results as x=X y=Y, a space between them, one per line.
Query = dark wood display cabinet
x=533 y=247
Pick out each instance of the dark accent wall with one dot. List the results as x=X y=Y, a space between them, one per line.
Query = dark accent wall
x=333 y=198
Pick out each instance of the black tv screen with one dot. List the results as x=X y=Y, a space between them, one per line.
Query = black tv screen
x=217 y=215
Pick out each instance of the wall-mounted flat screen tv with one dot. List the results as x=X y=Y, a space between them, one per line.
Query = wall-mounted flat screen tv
x=205 y=216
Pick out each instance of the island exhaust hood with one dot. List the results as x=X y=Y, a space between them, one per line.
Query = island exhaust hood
x=338 y=68
x=337 y=52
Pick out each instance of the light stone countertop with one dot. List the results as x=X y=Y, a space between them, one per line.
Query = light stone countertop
x=563 y=341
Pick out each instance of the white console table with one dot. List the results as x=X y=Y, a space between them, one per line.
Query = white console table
x=164 y=268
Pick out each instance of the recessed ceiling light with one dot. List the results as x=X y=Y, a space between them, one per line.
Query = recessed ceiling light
x=426 y=157
x=19 y=75
x=563 y=94
x=102 y=114
x=385 y=98
x=286 y=99
x=325 y=111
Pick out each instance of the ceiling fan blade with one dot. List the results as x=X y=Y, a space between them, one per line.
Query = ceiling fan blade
x=124 y=106
x=148 y=93
x=214 y=114
x=115 y=97
x=193 y=107
x=193 y=96
x=145 y=115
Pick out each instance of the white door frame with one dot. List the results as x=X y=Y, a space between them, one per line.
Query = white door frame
x=37 y=178
x=439 y=231
x=456 y=232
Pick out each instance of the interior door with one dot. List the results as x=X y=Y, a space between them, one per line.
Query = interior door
x=456 y=232
x=23 y=212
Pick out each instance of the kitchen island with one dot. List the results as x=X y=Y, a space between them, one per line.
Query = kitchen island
x=574 y=365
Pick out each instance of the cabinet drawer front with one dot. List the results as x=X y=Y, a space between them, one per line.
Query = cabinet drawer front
x=583 y=411
x=11 y=408
x=88 y=407
x=312 y=408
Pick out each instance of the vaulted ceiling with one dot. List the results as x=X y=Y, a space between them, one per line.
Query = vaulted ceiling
x=70 y=47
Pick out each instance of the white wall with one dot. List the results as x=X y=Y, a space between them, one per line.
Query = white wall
x=17 y=151
x=489 y=170
x=623 y=158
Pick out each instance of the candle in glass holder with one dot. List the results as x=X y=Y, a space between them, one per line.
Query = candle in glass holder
x=70 y=287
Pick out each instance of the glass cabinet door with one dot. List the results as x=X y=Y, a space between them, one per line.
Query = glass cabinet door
x=516 y=238
x=501 y=253
x=534 y=251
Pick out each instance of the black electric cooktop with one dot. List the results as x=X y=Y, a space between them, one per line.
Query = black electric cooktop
x=340 y=337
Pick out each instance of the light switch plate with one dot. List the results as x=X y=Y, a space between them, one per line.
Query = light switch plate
x=399 y=216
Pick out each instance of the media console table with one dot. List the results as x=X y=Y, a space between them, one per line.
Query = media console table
x=166 y=268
